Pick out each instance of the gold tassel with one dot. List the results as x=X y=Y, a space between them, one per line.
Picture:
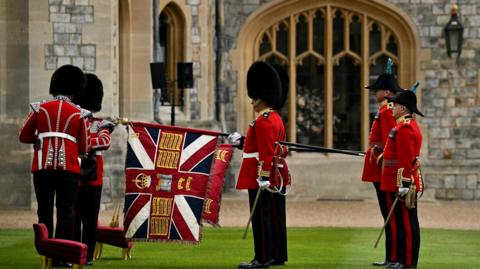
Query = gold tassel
x=114 y=223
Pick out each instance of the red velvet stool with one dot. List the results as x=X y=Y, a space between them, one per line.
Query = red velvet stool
x=58 y=249
x=112 y=236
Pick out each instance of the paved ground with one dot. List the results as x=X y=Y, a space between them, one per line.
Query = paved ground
x=234 y=212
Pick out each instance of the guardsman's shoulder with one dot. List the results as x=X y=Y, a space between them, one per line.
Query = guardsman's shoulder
x=264 y=118
x=387 y=110
x=266 y=115
x=35 y=106
x=405 y=126
x=85 y=113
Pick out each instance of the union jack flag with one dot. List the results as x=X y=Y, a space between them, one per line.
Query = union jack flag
x=167 y=173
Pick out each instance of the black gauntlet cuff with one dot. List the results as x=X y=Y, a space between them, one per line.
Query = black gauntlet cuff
x=406 y=184
x=264 y=179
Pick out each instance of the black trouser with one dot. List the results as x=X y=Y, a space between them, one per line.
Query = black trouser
x=269 y=226
x=87 y=207
x=62 y=187
x=279 y=233
x=385 y=202
x=408 y=234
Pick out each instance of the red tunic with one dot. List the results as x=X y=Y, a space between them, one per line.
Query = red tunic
x=259 y=148
x=401 y=151
x=58 y=130
x=98 y=140
x=381 y=127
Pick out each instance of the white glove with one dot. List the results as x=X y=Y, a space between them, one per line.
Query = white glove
x=263 y=184
x=107 y=124
x=402 y=191
x=235 y=138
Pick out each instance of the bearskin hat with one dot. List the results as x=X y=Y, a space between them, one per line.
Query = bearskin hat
x=67 y=80
x=91 y=97
x=264 y=83
x=285 y=84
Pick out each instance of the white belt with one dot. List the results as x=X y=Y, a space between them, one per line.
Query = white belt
x=98 y=153
x=250 y=155
x=57 y=134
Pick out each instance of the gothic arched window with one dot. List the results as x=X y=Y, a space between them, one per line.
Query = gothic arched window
x=332 y=53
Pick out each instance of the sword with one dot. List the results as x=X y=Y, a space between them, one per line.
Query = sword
x=251 y=213
x=386 y=222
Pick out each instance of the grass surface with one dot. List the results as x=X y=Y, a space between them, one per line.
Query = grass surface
x=223 y=248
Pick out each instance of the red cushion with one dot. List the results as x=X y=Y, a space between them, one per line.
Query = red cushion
x=59 y=249
x=112 y=236
x=41 y=232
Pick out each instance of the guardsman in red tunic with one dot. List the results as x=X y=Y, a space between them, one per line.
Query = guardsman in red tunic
x=87 y=205
x=57 y=129
x=385 y=86
x=401 y=176
x=268 y=222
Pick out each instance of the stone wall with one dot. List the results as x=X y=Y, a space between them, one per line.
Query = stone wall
x=202 y=57
x=235 y=14
x=67 y=18
x=15 y=159
x=195 y=39
x=36 y=37
x=450 y=100
x=449 y=90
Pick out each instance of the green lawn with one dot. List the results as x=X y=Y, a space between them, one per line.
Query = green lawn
x=223 y=248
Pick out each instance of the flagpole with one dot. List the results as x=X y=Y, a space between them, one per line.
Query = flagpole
x=311 y=148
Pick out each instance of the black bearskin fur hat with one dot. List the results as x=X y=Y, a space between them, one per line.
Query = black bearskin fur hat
x=264 y=83
x=285 y=84
x=91 y=98
x=67 y=80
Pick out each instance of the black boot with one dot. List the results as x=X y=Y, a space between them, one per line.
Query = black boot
x=254 y=264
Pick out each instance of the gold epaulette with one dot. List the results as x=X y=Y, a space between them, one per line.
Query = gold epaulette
x=35 y=107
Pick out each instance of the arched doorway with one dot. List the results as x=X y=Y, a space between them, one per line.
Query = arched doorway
x=331 y=49
x=172 y=48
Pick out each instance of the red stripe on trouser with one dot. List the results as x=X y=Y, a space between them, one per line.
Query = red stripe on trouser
x=393 y=228
x=408 y=235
